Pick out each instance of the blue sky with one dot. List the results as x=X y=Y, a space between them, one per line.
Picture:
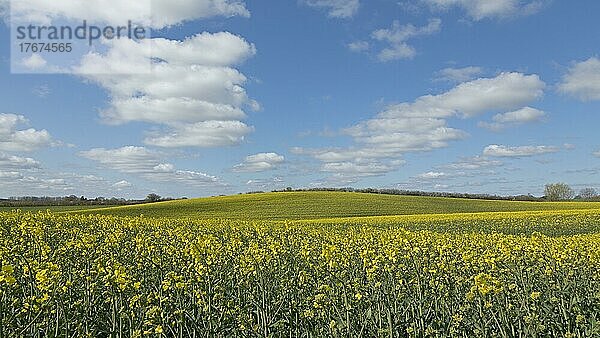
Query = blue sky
x=473 y=96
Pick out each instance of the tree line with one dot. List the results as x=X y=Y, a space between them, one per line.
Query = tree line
x=553 y=192
x=73 y=200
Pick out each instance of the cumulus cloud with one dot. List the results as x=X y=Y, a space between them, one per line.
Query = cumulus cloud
x=432 y=175
x=34 y=62
x=583 y=80
x=482 y=9
x=161 y=81
x=397 y=37
x=522 y=151
x=336 y=8
x=399 y=134
x=127 y=159
x=359 y=46
x=459 y=74
x=514 y=118
x=23 y=174
x=266 y=184
x=504 y=92
x=122 y=185
x=356 y=169
x=597 y=153
x=473 y=163
x=422 y=125
x=153 y=13
x=11 y=162
x=464 y=167
x=148 y=164
x=523 y=115
x=202 y=134
x=259 y=162
x=466 y=172
x=192 y=88
x=45 y=182
x=14 y=139
x=10 y=175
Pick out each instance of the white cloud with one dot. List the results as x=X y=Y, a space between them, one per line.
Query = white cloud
x=148 y=164
x=359 y=46
x=504 y=92
x=388 y=135
x=337 y=8
x=397 y=38
x=459 y=74
x=597 y=153
x=24 y=175
x=344 y=173
x=167 y=82
x=523 y=115
x=523 y=151
x=260 y=162
x=155 y=13
x=165 y=12
x=513 y=118
x=45 y=183
x=48 y=184
x=128 y=159
x=382 y=142
x=422 y=126
x=473 y=163
x=468 y=167
x=12 y=139
x=354 y=169
x=10 y=175
x=481 y=9
x=583 y=80
x=347 y=164
x=202 y=134
x=192 y=90
x=266 y=184
x=42 y=91
x=122 y=185
x=432 y=175
x=34 y=62
x=11 y=162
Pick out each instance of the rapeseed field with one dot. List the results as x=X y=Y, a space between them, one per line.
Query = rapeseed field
x=530 y=274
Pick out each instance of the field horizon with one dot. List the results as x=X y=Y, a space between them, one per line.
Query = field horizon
x=321 y=205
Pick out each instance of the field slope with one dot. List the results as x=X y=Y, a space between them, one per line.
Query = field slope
x=315 y=205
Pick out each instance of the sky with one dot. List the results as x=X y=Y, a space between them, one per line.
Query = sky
x=474 y=96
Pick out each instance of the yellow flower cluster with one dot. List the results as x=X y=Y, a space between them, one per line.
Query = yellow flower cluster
x=471 y=275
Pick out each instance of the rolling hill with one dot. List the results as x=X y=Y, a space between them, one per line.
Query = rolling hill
x=315 y=205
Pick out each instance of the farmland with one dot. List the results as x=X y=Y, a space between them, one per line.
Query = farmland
x=315 y=205
x=490 y=274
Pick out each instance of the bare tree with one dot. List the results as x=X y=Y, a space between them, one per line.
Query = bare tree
x=588 y=193
x=559 y=192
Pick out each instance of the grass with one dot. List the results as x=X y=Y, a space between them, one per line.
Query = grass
x=316 y=205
